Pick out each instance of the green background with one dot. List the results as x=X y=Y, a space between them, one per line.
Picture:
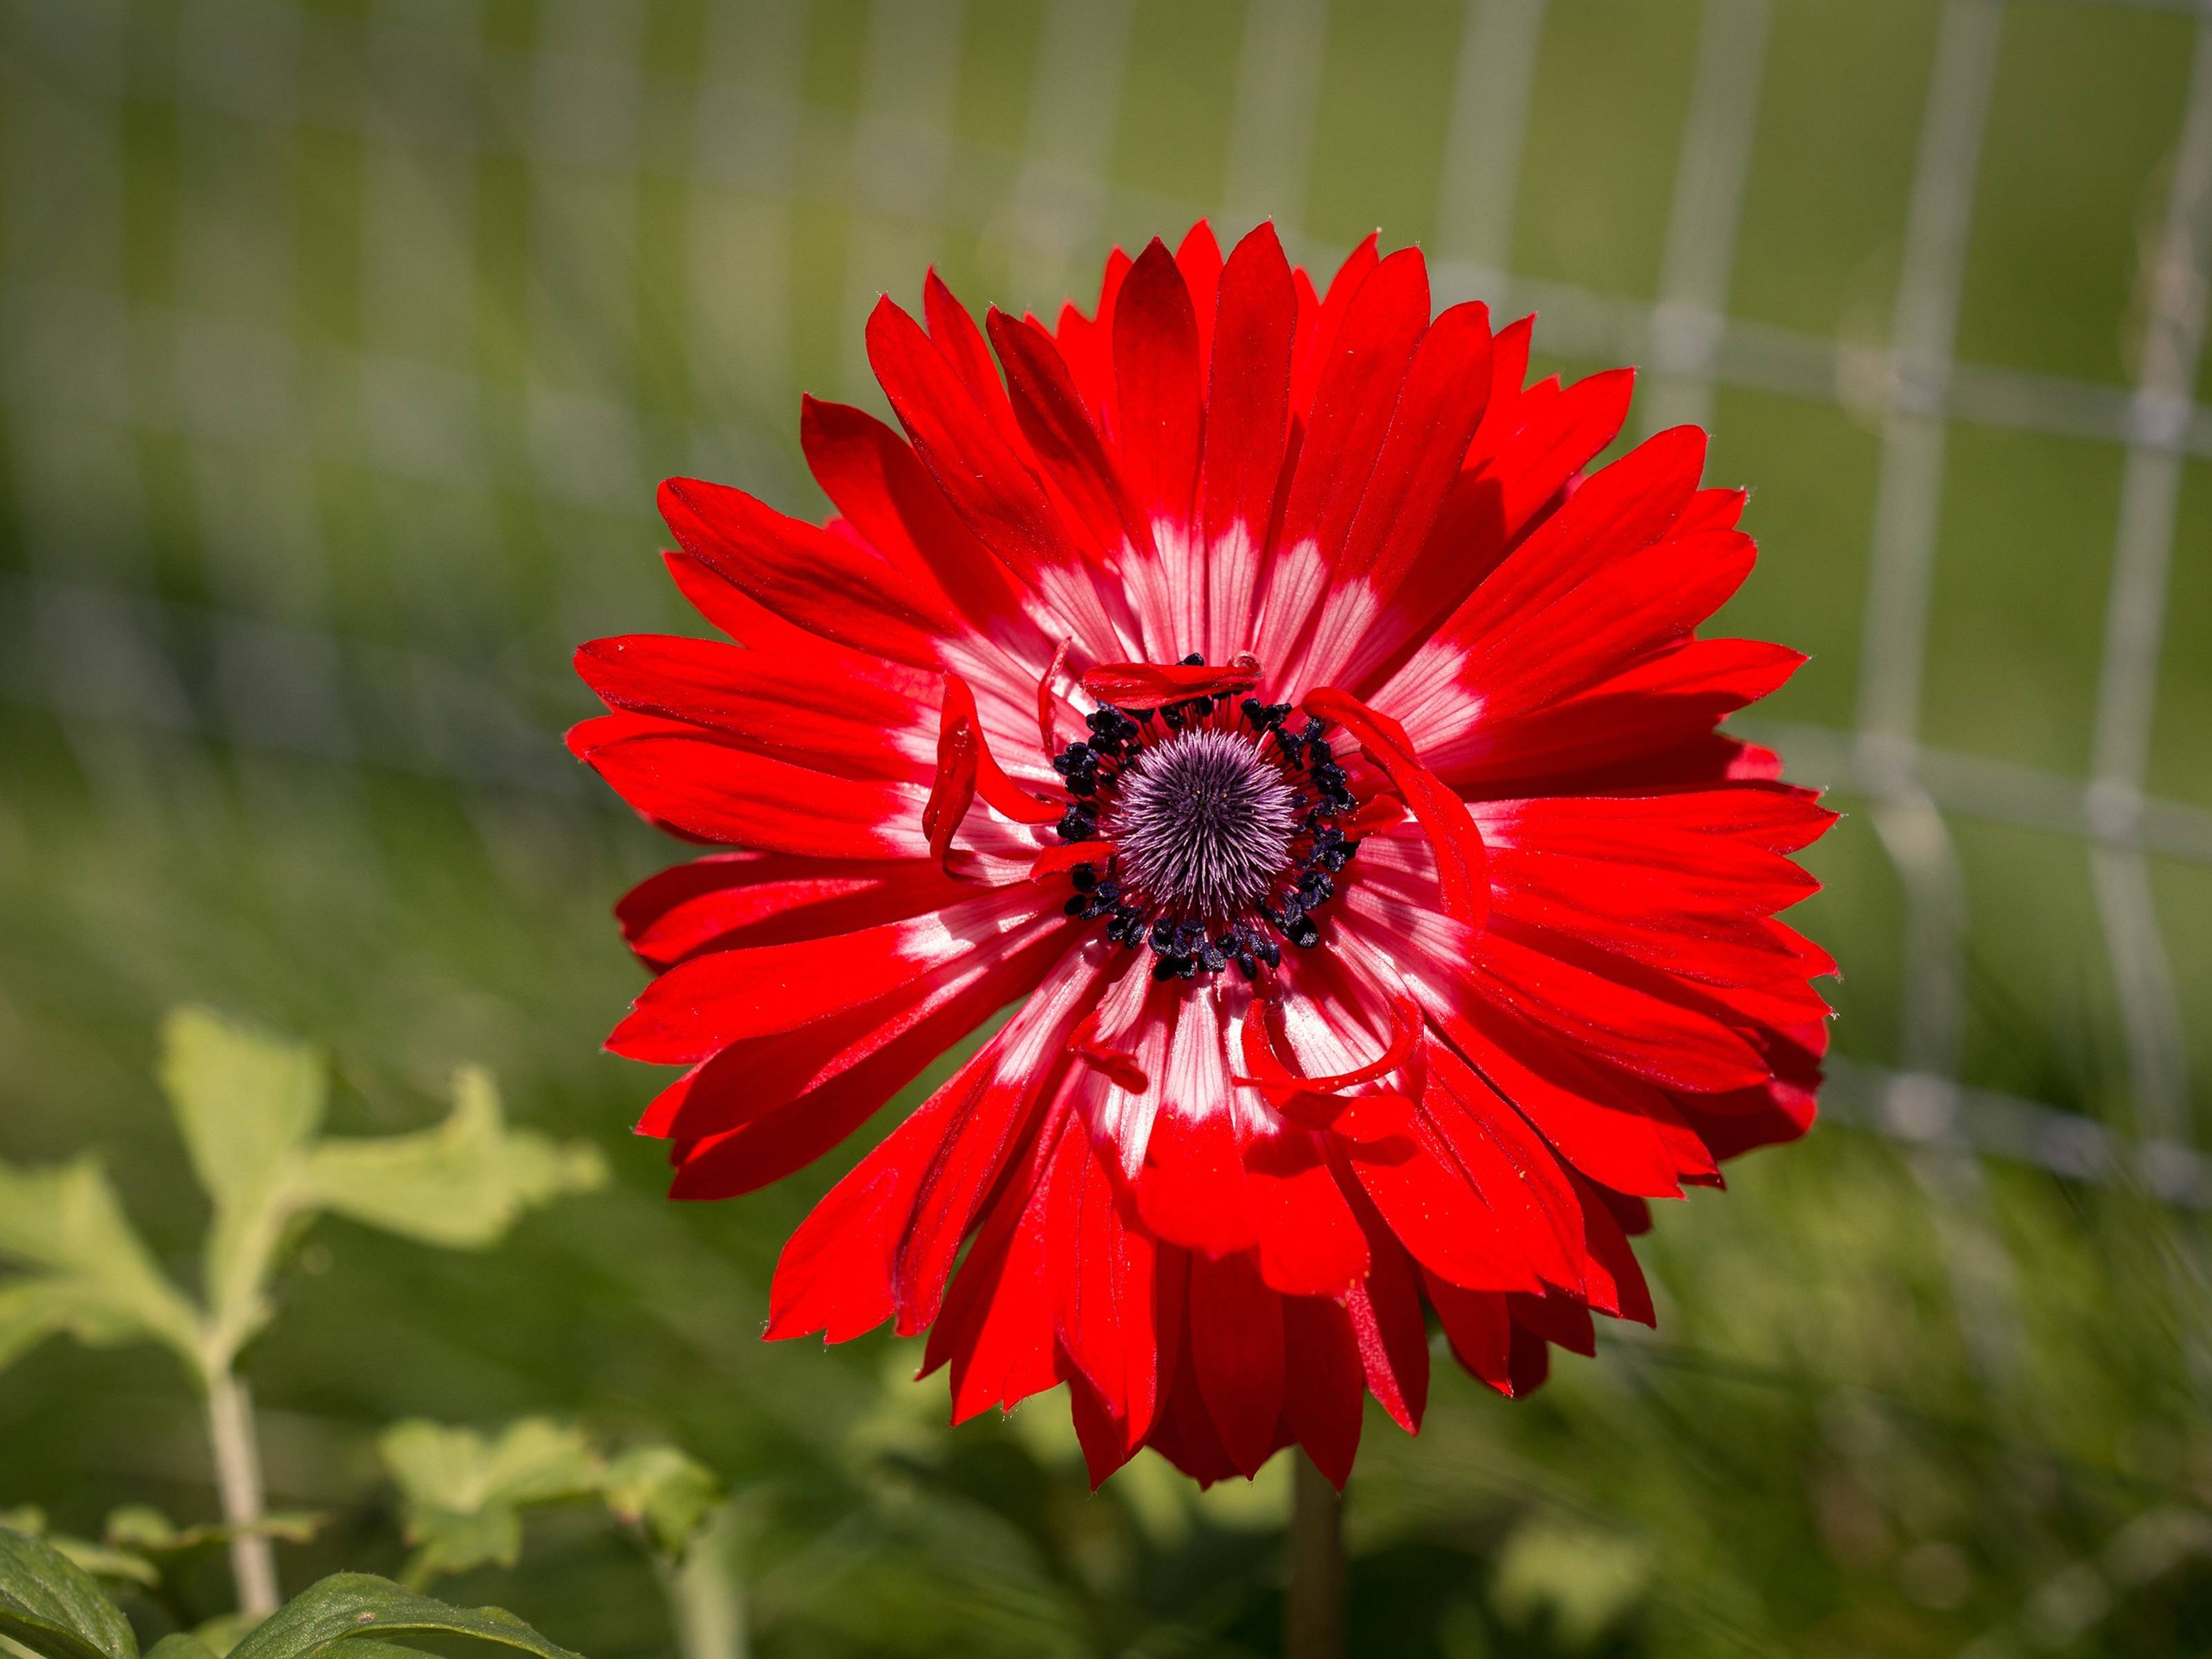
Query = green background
x=341 y=346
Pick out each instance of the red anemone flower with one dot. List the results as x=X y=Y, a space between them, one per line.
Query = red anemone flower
x=1260 y=688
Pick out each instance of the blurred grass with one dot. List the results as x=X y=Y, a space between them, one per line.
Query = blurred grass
x=376 y=322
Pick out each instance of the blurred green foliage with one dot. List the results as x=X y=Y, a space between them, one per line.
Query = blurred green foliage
x=342 y=344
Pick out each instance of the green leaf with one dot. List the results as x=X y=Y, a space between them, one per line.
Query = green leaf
x=178 y=1645
x=220 y=1634
x=143 y=1527
x=464 y=1493
x=461 y=1184
x=89 y=1276
x=53 y=1607
x=357 y=1605
x=246 y=1102
x=667 y=1493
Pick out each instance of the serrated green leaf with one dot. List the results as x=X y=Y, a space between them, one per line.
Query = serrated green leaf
x=450 y=1541
x=90 y=1275
x=461 y=1184
x=465 y=1492
x=247 y=1101
x=534 y=1461
x=666 y=1492
x=354 y=1605
x=53 y=1607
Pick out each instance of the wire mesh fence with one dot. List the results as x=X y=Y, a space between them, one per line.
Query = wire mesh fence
x=302 y=300
x=343 y=345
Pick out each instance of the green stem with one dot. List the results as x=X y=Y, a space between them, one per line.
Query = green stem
x=706 y=1601
x=1313 y=1605
x=238 y=1482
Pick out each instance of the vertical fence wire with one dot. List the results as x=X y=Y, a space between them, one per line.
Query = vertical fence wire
x=1893 y=655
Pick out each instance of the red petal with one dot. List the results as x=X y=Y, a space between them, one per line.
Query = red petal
x=884 y=490
x=1103 y=1272
x=991 y=780
x=771 y=1146
x=822 y=582
x=833 y=1275
x=1609 y=1007
x=1317 y=338
x=1159 y=381
x=1323 y=1378
x=1117 y=1065
x=996 y=1328
x=838 y=721
x=1274 y=1080
x=1236 y=1352
x=1478 y=1329
x=1310 y=1243
x=704 y=1005
x=727 y=900
x=1192 y=1189
x=1199 y=259
x=1360 y=379
x=1418 y=1186
x=1246 y=419
x=959 y=761
x=1461 y=861
x=698 y=786
x=1149 y=685
x=1386 y=1319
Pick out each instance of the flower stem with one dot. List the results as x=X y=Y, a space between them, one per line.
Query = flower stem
x=1313 y=1605
x=238 y=1481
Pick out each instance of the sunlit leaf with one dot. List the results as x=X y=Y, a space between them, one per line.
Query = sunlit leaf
x=464 y=1492
x=357 y=1605
x=461 y=1184
x=246 y=1101
x=141 y=1527
x=89 y=1275
x=667 y=1493
x=54 y=1607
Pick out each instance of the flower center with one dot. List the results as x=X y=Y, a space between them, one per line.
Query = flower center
x=1219 y=830
x=1204 y=823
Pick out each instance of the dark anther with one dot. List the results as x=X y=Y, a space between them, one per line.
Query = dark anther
x=1076 y=824
x=1303 y=930
x=1194 y=660
x=1085 y=876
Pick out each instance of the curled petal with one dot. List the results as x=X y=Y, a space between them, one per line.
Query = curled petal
x=1275 y=1079
x=1117 y=1065
x=1461 y=861
x=954 y=790
x=1146 y=685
